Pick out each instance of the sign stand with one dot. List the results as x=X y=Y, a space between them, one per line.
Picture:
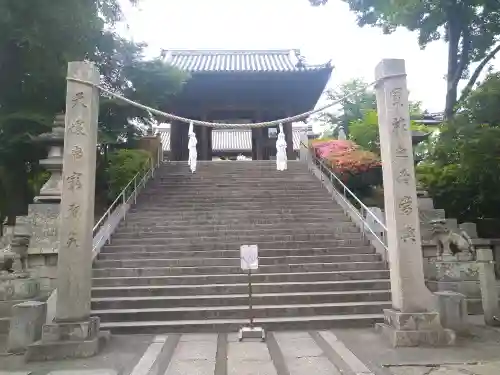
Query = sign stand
x=249 y=255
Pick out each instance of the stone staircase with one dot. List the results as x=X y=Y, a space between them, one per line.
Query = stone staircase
x=174 y=266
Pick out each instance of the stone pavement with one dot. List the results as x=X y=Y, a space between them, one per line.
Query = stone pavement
x=335 y=352
x=492 y=368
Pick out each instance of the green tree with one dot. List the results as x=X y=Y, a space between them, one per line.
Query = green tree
x=37 y=39
x=470 y=27
x=365 y=132
x=481 y=107
x=350 y=108
x=356 y=109
x=462 y=172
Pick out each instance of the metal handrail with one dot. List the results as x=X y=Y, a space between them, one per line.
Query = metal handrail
x=346 y=192
x=137 y=182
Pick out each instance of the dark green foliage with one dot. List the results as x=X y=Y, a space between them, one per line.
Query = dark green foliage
x=482 y=105
x=123 y=165
x=37 y=40
x=462 y=172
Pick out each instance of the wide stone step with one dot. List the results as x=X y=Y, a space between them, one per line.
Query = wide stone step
x=241 y=312
x=210 y=167
x=239 y=288
x=254 y=184
x=232 y=325
x=159 y=253
x=233 y=176
x=278 y=199
x=164 y=302
x=327 y=207
x=211 y=270
x=206 y=191
x=204 y=168
x=127 y=226
x=234 y=172
x=223 y=177
x=224 y=213
x=241 y=278
x=239 y=217
x=233 y=262
x=193 y=231
x=165 y=246
x=236 y=194
x=170 y=241
x=265 y=255
x=262 y=206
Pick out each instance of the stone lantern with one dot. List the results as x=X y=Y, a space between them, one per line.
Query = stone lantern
x=54 y=140
x=43 y=214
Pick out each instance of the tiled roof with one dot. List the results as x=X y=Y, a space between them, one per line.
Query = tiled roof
x=230 y=139
x=239 y=60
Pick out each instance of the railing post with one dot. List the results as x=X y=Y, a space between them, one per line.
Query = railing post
x=135 y=189
x=363 y=222
x=333 y=187
x=124 y=202
x=106 y=233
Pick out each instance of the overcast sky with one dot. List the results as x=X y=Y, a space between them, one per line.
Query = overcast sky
x=322 y=33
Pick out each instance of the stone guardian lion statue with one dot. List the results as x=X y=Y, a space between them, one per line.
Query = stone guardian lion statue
x=450 y=243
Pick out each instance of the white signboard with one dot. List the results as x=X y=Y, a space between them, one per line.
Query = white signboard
x=249 y=255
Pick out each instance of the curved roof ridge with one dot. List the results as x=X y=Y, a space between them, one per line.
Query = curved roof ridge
x=249 y=60
x=223 y=51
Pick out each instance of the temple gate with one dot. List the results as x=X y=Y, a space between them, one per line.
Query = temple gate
x=241 y=87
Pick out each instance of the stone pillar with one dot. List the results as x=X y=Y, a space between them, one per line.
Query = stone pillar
x=174 y=127
x=209 y=142
x=205 y=141
x=489 y=287
x=74 y=333
x=179 y=141
x=410 y=322
x=258 y=135
x=288 y=130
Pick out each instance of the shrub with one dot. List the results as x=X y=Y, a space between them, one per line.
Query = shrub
x=357 y=168
x=123 y=165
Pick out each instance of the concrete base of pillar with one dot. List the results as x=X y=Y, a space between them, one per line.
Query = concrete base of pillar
x=25 y=325
x=452 y=309
x=68 y=340
x=414 y=329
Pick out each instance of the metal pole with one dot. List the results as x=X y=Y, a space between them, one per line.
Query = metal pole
x=135 y=189
x=123 y=205
x=250 y=308
x=363 y=221
x=108 y=215
x=333 y=186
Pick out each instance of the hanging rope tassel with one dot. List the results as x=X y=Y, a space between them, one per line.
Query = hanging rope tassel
x=281 y=158
x=193 y=153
